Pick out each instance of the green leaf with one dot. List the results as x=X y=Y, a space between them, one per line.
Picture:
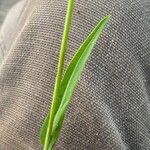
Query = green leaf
x=44 y=129
x=55 y=102
x=86 y=47
x=67 y=77
x=74 y=70
x=69 y=82
x=56 y=133
x=100 y=26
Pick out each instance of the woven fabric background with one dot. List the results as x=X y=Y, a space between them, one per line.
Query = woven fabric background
x=110 y=109
x=5 y=6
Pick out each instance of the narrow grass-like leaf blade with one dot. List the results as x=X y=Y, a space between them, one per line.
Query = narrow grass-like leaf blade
x=56 y=133
x=78 y=54
x=44 y=130
x=75 y=68
x=55 y=101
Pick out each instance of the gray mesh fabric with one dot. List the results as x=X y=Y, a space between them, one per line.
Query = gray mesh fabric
x=110 y=109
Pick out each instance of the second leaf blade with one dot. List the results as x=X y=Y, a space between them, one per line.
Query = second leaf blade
x=75 y=68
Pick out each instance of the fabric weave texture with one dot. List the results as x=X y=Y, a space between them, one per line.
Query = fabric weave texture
x=110 y=108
